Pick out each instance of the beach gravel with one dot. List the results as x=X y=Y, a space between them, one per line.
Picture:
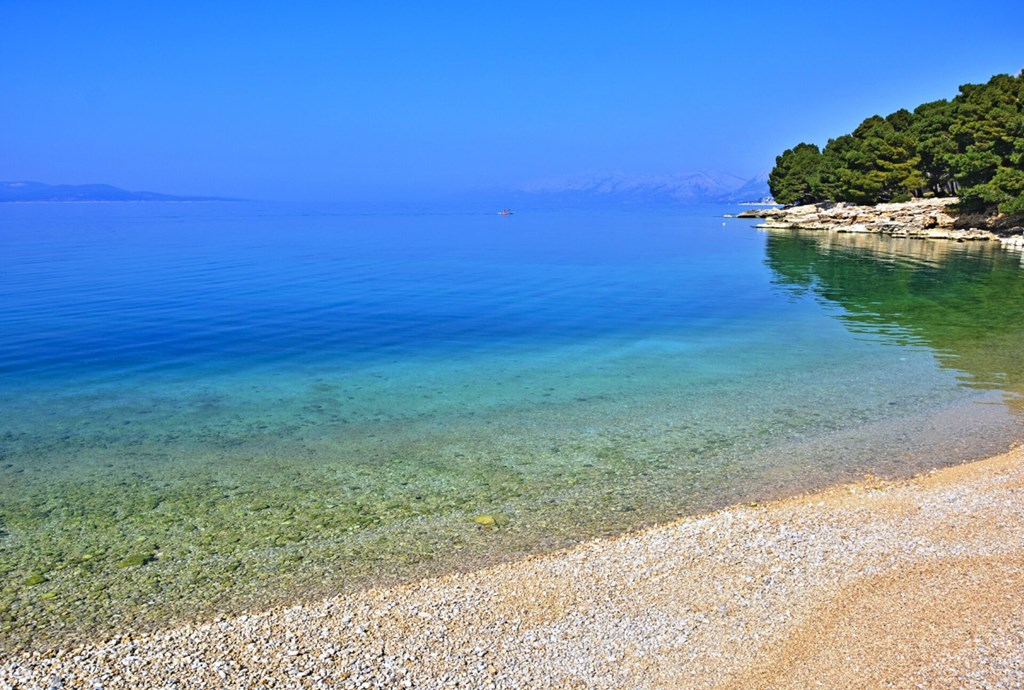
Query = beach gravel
x=911 y=584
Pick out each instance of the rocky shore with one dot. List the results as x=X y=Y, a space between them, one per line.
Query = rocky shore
x=910 y=584
x=922 y=218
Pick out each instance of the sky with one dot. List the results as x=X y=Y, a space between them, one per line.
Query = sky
x=346 y=101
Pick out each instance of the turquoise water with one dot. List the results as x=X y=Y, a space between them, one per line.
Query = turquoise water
x=212 y=407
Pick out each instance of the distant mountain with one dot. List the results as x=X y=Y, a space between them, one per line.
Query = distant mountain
x=37 y=191
x=620 y=189
x=754 y=189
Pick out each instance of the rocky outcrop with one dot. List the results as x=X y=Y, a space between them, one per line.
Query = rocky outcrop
x=753 y=213
x=922 y=218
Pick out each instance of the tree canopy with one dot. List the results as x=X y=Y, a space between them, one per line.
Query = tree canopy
x=971 y=146
x=797 y=175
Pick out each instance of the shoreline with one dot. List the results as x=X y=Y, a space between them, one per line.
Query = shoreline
x=919 y=219
x=905 y=583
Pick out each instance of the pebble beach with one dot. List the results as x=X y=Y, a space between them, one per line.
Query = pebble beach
x=908 y=584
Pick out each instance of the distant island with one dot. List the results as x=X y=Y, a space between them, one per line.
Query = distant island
x=37 y=191
x=971 y=148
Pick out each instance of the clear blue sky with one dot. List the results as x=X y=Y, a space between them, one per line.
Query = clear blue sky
x=352 y=100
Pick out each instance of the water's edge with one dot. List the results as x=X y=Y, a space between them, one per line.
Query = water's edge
x=182 y=437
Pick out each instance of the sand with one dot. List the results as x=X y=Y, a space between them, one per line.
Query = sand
x=911 y=584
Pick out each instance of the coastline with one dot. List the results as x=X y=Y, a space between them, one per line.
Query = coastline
x=918 y=219
x=908 y=583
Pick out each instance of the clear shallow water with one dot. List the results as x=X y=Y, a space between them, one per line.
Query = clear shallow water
x=210 y=407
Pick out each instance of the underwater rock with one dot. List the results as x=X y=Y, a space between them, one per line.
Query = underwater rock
x=492 y=520
x=136 y=559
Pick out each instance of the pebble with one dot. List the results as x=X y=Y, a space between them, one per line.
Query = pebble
x=915 y=584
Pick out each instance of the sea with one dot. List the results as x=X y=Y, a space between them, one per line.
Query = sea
x=211 y=408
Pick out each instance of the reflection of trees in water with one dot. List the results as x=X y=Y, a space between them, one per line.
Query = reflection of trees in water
x=964 y=301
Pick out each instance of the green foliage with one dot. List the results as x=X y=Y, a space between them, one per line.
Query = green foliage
x=931 y=124
x=989 y=132
x=879 y=162
x=796 y=178
x=972 y=146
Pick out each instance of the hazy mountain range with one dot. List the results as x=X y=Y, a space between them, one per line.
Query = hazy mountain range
x=602 y=189
x=37 y=191
x=621 y=189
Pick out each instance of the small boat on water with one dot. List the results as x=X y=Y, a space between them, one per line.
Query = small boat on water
x=505 y=212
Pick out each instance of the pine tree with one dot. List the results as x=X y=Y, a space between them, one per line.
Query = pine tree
x=972 y=146
x=796 y=177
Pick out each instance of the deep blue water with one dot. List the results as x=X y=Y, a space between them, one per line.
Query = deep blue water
x=268 y=401
x=100 y=289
